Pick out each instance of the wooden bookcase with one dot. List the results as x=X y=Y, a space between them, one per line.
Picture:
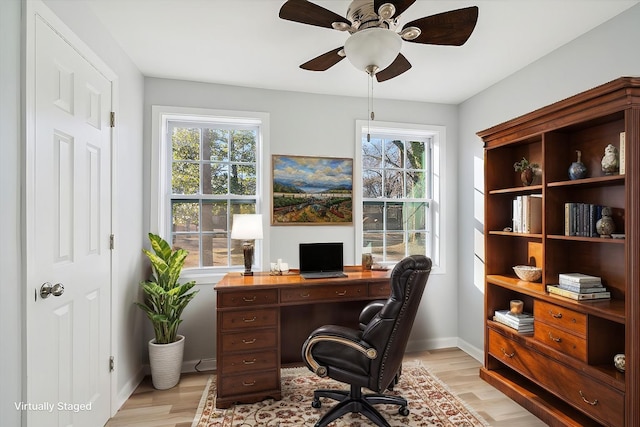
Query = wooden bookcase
x=564 y=372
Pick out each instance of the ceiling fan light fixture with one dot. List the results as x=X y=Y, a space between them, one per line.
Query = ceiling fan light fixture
x=340 y=26
x=377 y=47
x=386 y=11
x=410 y=33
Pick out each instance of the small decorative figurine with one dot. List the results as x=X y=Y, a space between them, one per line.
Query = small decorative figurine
x=577 y=170
x=619 y=362
x=610 y=162
x=605 y=225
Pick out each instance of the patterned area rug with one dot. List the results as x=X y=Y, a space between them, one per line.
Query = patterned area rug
x=430 y=402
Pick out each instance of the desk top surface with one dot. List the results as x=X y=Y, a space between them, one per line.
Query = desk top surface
x=267 y=280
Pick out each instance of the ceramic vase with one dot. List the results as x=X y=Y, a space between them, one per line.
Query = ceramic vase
x=577 y=170
x=527 y=176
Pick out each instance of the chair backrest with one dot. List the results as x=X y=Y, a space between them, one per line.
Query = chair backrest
x=389 y=330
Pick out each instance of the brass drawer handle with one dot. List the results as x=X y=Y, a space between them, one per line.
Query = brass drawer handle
x=341 y=294
x=253 y=319
x=307 y=295
x=556 y=315
x=594 y=403
x=554 y=339
x=252 y=299
x=249 y=362
x=249 y=341
x=509 y=355
x=246 y=384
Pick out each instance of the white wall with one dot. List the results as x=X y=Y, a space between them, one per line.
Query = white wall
x=319 y=125
x=10 y=261
x=128 y=192
x=603 y=54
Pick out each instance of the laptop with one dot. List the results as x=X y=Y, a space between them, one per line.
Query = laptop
x=321 y=260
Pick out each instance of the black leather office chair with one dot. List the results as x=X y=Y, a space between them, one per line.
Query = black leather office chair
x=370 y=356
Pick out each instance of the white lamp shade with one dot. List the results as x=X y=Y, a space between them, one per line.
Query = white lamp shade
x=373 y=46
x=247 y=226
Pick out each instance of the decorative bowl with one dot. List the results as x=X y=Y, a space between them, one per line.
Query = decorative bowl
x=528 y=273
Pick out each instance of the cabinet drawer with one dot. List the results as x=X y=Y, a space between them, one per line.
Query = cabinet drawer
x=249 y=340
x=382 y=290
x=560 y=317
x=324 y=293
x=249 y=318
x=561 y=340
x=245 y=362
x=247 y=298
x=250 y=382
x=595 y=399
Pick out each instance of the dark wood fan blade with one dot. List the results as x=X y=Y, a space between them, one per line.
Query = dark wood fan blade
x=306 y=12
x=397 y=67
x=324 y=61
x=401 y=5
x=449 y=28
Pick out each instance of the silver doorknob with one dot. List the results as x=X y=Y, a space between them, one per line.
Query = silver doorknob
x=47 y=289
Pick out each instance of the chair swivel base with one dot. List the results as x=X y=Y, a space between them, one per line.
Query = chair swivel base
x=354 y=401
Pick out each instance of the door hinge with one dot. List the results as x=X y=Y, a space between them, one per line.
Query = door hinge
x=111 y=241
x=112 y=364
x=113 y=119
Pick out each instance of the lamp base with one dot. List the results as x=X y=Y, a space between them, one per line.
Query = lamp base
x=247 y=248
x=247 y=273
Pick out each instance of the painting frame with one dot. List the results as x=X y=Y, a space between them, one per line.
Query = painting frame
x=311 y=190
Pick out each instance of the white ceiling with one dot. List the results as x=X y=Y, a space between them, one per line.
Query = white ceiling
x=243 y=42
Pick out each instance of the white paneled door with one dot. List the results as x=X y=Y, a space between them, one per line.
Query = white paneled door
x=68 y=231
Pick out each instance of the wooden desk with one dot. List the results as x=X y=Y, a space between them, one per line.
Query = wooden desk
x=262 y=321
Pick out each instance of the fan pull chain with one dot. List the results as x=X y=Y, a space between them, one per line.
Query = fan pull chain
x=371 y=115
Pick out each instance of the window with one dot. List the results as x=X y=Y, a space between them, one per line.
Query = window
x=209 y=166
x=399 y=189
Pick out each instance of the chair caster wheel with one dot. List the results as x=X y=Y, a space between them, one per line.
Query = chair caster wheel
x=404 y=411
x=315 y=403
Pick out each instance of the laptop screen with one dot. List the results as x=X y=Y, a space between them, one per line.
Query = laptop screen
x=316 y=257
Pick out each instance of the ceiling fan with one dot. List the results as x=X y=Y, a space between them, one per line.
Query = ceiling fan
x=373 y=44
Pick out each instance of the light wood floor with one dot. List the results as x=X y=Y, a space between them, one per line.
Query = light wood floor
x=176 y=407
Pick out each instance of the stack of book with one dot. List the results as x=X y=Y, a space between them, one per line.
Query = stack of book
x=523 y=322
x=580 y=219
x=579 y=286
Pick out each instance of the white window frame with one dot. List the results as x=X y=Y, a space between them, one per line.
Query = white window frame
x=436 y=208
x=160 y=203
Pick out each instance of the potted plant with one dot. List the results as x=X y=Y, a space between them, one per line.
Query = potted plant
x=165 y=299
x=526 y=169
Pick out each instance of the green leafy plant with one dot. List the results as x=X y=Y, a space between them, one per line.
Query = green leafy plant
x=165 y=298
x=524 y=164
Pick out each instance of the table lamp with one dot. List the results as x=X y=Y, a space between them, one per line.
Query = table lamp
x=247 y=227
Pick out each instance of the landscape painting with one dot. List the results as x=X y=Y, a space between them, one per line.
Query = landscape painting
x=312 y=190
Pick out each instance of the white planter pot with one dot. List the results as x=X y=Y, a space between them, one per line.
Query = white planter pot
x=166 y=363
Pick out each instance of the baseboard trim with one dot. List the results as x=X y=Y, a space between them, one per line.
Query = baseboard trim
x=127 y=389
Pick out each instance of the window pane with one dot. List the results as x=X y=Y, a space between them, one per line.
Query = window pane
x=394 y=216
x=393 y=184
x=185 y=178
x=243 y=180
x=243 y=146
x=393 y=154
x=395 y=246
x=416 y=185
x=415 y=216
x=237 y=254
x=242 y=207
x=372 y=216
x=372 y=153
x=215 y=252
x=190 y=243
x=185 y=144
x=214 y=215
x=216 y=144
x=216 y=178
x=185 y=216
x=371 y=183
x=417 y=243
x=416 y=155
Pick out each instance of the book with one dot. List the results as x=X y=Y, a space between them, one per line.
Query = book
x=579 y=278
x=621 y=152
x=552 y=289
x=582 y=290
x=520 y=321
x=520 y=328
x=527 y=214
x=578 y=284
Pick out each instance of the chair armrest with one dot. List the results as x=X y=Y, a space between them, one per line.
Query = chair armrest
x=369 y=311
x=336 y=334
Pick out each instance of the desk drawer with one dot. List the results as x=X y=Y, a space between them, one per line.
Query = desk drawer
x=380 y=290
x=324 y=293
x=561 y=340
x=249 y=340
x=254 y=361
x=249 y=318
x=250 y=382
x=560 y=317
x=247 y=298
x=595 y=399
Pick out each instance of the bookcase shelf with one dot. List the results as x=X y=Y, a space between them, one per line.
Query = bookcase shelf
x=519 y=364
